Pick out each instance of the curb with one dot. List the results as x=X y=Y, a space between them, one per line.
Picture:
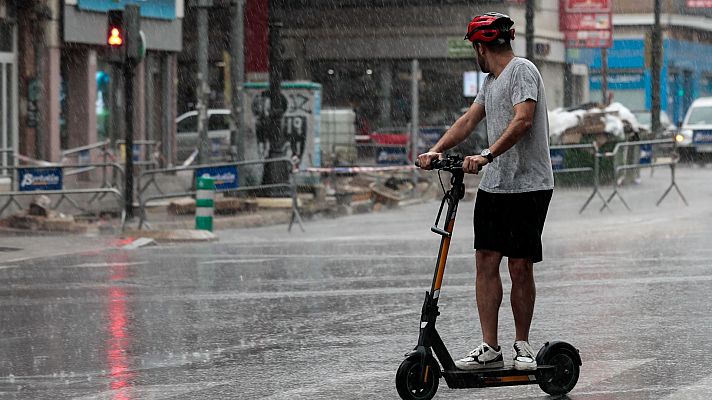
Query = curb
x=174 y=235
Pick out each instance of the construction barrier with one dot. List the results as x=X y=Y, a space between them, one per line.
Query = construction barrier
x=559 y=166
x=48 y=180
x=227 y=181
x=653 y=153
x=204 y=203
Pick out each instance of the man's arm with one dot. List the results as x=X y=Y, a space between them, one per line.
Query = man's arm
x=517 y=128
x=458 y=132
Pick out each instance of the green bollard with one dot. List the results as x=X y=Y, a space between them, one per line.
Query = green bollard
x=204 y=203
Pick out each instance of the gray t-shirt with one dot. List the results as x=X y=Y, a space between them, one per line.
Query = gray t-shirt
x=526 y=166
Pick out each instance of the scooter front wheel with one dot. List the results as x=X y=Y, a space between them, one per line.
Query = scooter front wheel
x=418 y=379
x=565 y=375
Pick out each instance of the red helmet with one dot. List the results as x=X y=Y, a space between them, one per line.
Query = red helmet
x=491 y=27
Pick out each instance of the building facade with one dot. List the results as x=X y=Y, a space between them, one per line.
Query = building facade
x=687 y=49
x=362 y=51
x=66 y=94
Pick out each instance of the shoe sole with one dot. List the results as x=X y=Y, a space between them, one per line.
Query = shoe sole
x=524 y=366
x=470 y=367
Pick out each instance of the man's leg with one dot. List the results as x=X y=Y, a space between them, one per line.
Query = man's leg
x=489 y=293
x=521 y=270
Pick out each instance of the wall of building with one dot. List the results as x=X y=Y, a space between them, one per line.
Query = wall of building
x=385 y=39
x=686 y=73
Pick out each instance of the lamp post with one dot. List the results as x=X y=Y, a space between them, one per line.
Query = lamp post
x=275 y=173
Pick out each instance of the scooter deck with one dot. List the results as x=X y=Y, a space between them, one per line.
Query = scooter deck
x=489 y=377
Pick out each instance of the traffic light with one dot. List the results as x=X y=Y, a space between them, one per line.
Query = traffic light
x=116 y=37
x=123 y=35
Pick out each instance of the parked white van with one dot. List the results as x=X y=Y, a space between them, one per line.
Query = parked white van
x=696 y=132
x=218 y=134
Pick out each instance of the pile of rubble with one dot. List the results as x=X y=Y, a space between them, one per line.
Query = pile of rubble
x=592 y=123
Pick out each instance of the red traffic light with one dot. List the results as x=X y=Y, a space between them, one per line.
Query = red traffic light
x=115 y=37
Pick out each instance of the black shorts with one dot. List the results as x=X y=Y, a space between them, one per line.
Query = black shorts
x=511 y=223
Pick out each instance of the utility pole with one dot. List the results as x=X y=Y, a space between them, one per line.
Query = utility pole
x=237 y=77
x=529 y=17
x=414 y=115
x=604 y=76
x=655 y=64
x=275 y=173
x=202 y=78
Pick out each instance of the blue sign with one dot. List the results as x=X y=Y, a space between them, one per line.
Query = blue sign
x=428 y=137
x=646 y=154
x=225 y=177
x=392 y=156
x=161 y=9
x=40 y=178
x=702 y=137
x=557 y=159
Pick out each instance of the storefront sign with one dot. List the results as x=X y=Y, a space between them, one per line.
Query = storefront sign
x=161 y=9
x=44 y=178
x=457 y=47
x=225 y=177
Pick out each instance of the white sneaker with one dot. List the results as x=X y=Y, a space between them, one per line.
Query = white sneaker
x=484 y=356
x=524 y=358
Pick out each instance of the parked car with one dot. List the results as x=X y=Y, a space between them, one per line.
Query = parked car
x=644 y=118
x=218 y=134
x=696 y=132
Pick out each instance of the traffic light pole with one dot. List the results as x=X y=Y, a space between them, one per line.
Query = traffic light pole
x=129 y=72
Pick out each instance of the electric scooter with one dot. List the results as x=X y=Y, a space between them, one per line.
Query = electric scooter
x=558 y=363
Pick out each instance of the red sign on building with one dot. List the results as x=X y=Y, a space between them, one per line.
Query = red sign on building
x=586 y=22
x=699 y=3
x=576 y=6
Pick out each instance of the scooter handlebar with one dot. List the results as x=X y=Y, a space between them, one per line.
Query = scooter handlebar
x=448 y=163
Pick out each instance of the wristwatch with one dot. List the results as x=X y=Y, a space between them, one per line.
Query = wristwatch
x=486 y=153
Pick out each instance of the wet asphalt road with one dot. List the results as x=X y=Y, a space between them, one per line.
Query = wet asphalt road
x=328 y=314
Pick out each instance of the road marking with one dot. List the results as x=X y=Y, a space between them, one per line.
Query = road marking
x=237 y=261
x=699 y=390
x=105 y=264
x=154 y=391
x=595 y=372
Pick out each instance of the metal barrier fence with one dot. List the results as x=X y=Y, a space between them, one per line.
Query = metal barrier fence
x=49 y=180
x=649 y=158
x=7 y=158
x=558 y=157
x=219 y=168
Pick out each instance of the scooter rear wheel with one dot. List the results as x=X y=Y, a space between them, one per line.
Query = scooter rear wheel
x=565 y=375
x=416 y=380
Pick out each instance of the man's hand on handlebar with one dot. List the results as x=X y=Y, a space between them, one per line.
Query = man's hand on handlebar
x=473 y=164
x=426 y=159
